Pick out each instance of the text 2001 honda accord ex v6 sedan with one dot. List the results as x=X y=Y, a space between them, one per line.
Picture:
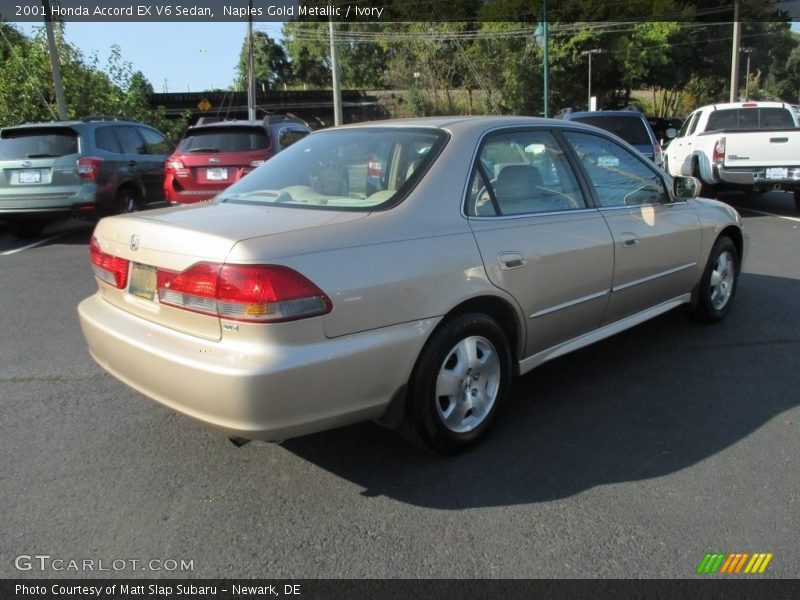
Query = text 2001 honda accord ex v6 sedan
x=401 y=271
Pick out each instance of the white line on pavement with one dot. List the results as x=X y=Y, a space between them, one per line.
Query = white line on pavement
x=36 y=243
x=768 y=214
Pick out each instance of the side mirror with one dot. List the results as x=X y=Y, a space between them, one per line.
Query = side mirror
x=671 y=133
x=685 y=188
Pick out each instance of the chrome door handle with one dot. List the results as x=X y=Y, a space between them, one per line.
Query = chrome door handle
x=511 y=260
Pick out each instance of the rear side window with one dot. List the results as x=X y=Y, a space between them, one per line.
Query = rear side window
x=524 y=172
x=38 y=143
x=105 y=139
x=631 y=129
x=750 y=118
x=225 y=139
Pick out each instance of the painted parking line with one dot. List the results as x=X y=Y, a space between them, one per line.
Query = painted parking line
x=767 y=214
x=37 y=243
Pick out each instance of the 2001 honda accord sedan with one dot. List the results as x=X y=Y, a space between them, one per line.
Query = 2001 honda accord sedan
x=401 y=271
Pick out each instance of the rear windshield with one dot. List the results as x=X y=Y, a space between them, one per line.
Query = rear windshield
x=225 y=139
x=631 y=129
x=750 y=118
x=358 y=169
x=38 y=143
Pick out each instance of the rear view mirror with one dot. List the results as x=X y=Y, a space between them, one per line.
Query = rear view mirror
x=684 y=188
x=671 y=133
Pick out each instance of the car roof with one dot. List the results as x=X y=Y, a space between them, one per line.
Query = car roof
x=632 y=114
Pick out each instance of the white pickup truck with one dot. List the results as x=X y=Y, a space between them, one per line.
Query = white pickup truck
x=740 y=145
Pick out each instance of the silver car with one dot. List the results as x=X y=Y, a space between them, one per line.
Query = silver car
x=319 y=292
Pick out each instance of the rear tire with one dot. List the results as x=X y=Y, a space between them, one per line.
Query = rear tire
x=714 y=293
x=25 y=230
x=458 y=385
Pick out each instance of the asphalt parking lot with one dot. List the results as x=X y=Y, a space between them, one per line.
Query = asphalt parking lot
x=631 y=458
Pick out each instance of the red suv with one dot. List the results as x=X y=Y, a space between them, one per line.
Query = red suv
x=212 y=156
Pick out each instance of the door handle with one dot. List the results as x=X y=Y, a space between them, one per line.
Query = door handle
x=131 y=163
x=511 y=260
x=629 y=240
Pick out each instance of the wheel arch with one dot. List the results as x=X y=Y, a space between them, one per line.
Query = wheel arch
x=499 y=309
x=735 y=234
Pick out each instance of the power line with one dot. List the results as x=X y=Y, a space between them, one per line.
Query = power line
x=30 y=77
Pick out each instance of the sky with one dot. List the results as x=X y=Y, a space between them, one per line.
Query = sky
x=177 y=56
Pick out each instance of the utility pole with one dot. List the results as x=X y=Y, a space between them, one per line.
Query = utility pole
x=251 y=96
x=337 y=88
x=546 y=61
x=737 y=34
x=747 y=51
x=54 y=63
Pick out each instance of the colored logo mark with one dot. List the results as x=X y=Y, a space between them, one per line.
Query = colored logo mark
x=734 y=562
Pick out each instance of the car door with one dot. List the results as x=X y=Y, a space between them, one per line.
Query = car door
x=158 y=148
x=538 y=238
x=681 y=148
x=656 y=239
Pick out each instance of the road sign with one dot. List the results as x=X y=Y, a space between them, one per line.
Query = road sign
x=204 y=105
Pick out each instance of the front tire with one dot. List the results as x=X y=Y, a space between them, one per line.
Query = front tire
x=458 y=385
x=714 y=294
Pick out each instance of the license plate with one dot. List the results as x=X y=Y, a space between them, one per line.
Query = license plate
x=143 y=282
x=777 y=173
x=216 y=174
x=30 y=176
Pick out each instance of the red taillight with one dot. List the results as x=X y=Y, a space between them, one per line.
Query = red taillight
x=258 y=293
x=749 y=105
x=111 y=269
x=174 y=164
x=718 y=156
x=89 y=167
x=176 y=167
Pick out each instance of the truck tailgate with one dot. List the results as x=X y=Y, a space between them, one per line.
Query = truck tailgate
x=765 y=148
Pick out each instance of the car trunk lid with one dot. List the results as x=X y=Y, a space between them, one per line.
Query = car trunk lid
x=175 y=239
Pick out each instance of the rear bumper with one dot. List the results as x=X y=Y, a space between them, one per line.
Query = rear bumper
x=47 y=206
x=757 y=177
x=266 y=391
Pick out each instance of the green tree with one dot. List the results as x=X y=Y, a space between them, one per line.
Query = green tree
x=271 y=69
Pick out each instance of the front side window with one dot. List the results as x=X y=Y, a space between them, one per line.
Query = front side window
x=619 y=177
x=523 y=172
x=695 y=121
x=156 y=143
x=350 y=169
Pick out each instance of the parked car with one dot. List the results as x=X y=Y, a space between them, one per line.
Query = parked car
x=630 y=125
x=290 y=304
x=750 y=146
x=665 y=129
x=96 y=166
x=212 y=156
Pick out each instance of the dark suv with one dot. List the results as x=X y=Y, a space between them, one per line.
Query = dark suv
x=630 y=125
x=97 y=166
x=212 y=156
